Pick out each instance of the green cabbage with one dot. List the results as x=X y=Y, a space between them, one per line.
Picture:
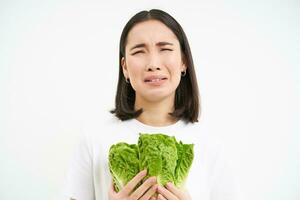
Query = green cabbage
x=160 y=154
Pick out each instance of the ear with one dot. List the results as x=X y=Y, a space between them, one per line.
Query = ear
x=124 y=67
x=183 y=67
x=183 y=64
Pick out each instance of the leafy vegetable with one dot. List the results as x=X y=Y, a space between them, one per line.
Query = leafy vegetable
x=123 y=163
x=161 y=154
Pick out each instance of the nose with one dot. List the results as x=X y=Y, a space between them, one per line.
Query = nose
x=153 y=63
x=152 y=68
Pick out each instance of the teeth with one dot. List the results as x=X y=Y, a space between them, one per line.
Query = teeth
x=155 y=80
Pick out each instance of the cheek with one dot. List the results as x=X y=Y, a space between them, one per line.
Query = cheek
x=174 y=65
x=134 y=67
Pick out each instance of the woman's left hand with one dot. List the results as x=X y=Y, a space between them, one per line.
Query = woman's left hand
x=171 y=192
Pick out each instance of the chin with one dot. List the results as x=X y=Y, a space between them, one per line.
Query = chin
x=157 y=96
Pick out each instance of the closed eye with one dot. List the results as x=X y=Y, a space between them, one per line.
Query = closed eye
x=167 y=49
x=137 y=52
x=143 y=51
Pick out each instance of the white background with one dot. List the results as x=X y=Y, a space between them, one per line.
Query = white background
x=59 y=67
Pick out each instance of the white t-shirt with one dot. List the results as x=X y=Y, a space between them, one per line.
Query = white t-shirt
x=88 y=176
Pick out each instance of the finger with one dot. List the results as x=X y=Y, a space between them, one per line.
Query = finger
x=166 y=193
x=143 y=188
x=133 y=182
x=152 y=198
x=161 y=197
x=112 y=188
x=173 y=189
x=149 y=193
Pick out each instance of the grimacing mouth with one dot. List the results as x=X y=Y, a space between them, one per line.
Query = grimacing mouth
x=155 y=79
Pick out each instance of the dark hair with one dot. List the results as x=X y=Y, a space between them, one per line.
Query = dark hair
x=186 y=103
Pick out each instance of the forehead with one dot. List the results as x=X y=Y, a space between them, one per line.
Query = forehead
x=150 y=32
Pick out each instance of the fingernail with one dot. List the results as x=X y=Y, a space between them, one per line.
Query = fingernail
x=169 y=184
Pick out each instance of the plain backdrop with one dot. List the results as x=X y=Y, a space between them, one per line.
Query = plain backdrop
x=59 y=67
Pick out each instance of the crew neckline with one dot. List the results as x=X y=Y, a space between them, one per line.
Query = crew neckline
x=160 y=128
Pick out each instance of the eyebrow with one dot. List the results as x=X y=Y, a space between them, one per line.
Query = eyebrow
x=157 y=44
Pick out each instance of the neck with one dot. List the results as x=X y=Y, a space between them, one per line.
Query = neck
x=156 y=113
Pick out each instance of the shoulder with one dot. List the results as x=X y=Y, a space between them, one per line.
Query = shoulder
x=199 y=131
x=105 y=128
x=99 y=122
x=205 y=140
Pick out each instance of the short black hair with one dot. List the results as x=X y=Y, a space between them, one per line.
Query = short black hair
x=186 y=102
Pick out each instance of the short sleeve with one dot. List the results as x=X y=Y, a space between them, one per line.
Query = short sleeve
x=79 y=177
x=224 y=185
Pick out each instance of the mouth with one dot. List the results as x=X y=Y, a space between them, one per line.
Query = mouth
x=155 y=80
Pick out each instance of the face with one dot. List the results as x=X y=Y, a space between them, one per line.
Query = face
x=153 y=61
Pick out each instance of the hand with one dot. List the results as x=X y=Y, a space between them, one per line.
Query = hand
x=143 y=192
x=171 y=192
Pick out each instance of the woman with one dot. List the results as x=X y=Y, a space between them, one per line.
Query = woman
x=157 y=93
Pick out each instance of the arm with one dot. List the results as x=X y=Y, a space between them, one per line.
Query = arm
x=79 y=177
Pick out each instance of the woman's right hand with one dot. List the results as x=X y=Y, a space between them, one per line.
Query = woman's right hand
x=143 y=192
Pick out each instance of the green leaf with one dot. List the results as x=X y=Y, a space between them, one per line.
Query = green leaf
x=160 y=154
x=123 y=163
x=185 y=154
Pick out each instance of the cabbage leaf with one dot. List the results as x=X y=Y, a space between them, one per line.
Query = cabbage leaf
x=160 y=154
